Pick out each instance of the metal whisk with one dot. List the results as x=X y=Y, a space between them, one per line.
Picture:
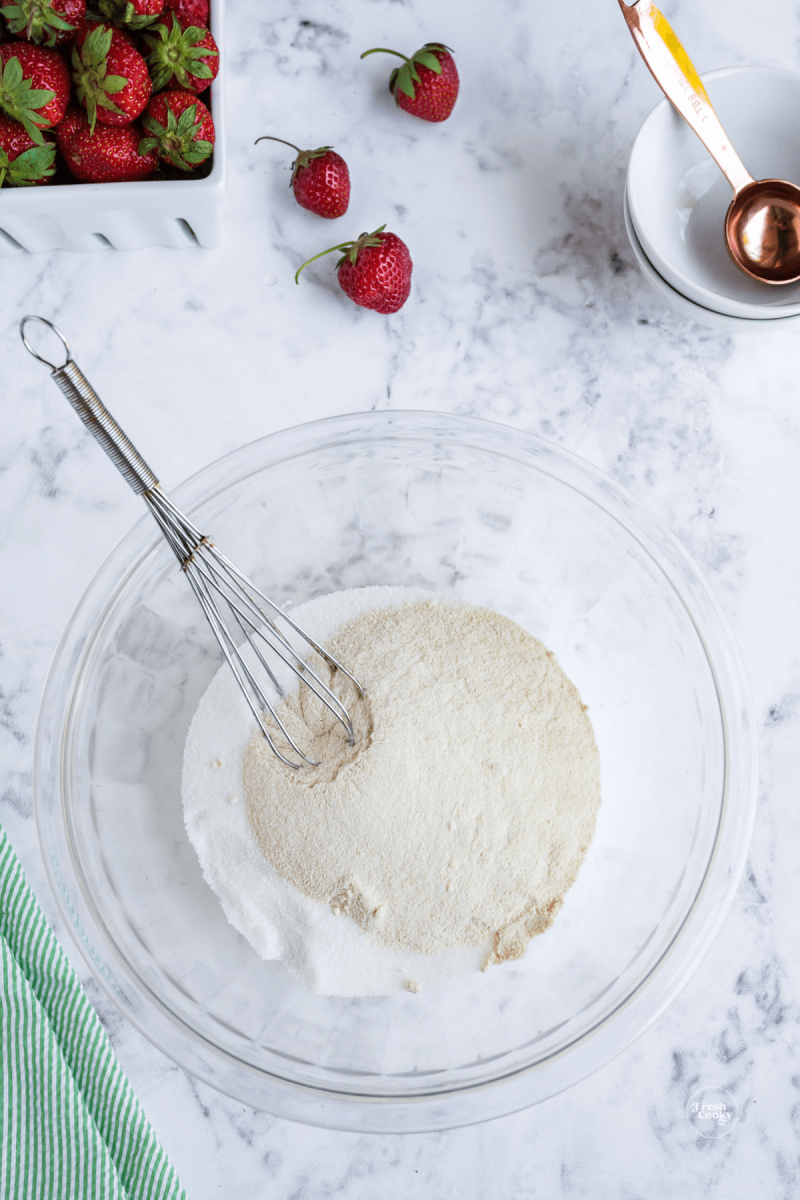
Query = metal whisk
x=234 y=607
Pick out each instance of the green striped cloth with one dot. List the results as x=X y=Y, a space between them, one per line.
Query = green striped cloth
x=70 y=1125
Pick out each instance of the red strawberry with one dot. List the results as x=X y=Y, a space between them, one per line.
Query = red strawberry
x=131 y=14
x=22 y=162
x=107 y=155
x=427 y=84
x=320 y=179
x=193 y=12
x=181 y=55
x=179 y=128
x=107 y=64
x=46 y=22
x=34 y=86
x=374 y=271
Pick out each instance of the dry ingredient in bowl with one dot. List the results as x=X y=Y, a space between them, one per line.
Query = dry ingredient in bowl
x=443 y=841
x=465 y=808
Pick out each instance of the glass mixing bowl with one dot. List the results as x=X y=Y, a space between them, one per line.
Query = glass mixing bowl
x=462 y=507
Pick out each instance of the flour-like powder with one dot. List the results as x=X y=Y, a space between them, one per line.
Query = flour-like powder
x=442 y=842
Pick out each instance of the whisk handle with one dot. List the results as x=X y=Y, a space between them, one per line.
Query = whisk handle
x=99 y=421
x=95 y=416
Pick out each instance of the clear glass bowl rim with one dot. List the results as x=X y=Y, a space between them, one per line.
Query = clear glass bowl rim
x=504 y=1094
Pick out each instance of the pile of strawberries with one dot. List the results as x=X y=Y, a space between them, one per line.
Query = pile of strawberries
x=110 y=95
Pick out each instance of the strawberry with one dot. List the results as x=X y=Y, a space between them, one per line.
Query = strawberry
x=106 y=63
x=105 y=155
x=131 y=14
x=34 y=86
x=22 y=162
x=179 y=128
x=320 y=179
x=194 y=12
x=45 y=22
x=427 y=84
x=374 y=271
x=181 y=55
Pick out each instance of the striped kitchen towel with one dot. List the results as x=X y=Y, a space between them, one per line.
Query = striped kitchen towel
x=70 y=1125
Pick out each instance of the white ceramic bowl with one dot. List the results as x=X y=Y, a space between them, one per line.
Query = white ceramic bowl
x=678 y=196
x=687 y=308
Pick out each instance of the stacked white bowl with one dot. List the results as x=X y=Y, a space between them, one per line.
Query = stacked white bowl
x=676 y=198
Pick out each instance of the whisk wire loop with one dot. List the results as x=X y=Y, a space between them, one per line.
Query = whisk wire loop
x=284 y=649
x=256 y=700
x=210 y=572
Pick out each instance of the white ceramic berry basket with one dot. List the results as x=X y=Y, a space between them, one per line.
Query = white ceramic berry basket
x=123 y=216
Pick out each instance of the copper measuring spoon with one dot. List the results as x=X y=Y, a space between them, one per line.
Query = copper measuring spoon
x=762 y=225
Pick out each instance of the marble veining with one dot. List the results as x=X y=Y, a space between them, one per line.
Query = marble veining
x=526 y=308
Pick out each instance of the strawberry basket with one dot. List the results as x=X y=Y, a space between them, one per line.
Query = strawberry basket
x=89 y=217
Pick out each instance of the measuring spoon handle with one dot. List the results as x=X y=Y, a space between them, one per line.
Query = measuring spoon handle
x=675 y=74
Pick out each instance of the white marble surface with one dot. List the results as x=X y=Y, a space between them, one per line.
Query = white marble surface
x=527 y=307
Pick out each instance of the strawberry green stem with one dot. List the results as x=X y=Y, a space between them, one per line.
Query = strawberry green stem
x=383 y=50
x=322 y=253
x=267 y=137
x=353 y=249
